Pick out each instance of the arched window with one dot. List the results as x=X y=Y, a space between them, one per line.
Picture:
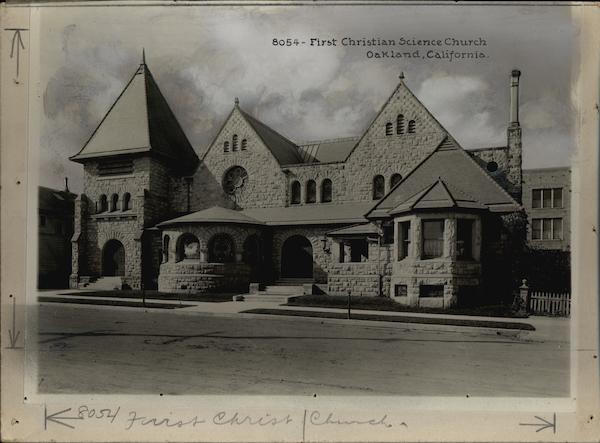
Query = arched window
x=326 y=191
x=103 y=204
x=166 y=248
x=126 y=205
x=296 y=189
x=234 y=144
x=394 y=180
x=378 y=187
x=411 y=126
x=400 y=124
x=220 y=249
x=188 y=247
x=226 y=147
x=114 y=201
x=244 y=144
x=388 y=128
x=311 y=191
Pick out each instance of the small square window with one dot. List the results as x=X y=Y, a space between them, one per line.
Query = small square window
x=431 y=291
x=400 y=291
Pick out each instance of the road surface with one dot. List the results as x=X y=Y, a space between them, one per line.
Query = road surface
x=86 y=349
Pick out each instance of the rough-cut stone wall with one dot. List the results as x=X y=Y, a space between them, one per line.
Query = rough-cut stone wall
x=413 y=271
x=515 y=161
x=362 y=279
x=318 y=172
x=314 y=234
x=148 y=185
x=197 y=275
x=193 y=276
x=205 y=191
x=266 y=183
x=79 y=240
x=378 y=153
x=500 y=155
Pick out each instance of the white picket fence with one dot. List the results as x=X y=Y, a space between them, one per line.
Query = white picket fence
x=550 y=303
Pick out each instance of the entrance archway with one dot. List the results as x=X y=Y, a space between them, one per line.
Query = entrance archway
x=113 y=258
x=252 y=256
x=297 y=258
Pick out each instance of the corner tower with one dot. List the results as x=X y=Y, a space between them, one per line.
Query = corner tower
x=127 y=163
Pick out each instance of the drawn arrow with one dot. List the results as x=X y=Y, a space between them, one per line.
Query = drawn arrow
x=13 y=334
x=17 y=42
x=55 y=418
x=543 y=424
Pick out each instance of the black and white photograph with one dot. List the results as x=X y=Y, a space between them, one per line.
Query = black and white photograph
x=322 y=202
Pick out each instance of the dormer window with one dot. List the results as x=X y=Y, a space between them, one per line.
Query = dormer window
x=400 y=124
x=388 y=128
x=234 y=144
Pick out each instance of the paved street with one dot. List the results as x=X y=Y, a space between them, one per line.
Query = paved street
x=84 y=349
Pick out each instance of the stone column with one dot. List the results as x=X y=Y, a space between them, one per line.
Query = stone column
x=396 y=249
x=416 y=232
x=450 y=238
x=203 y=255
x=477 y=239
x=78 y=241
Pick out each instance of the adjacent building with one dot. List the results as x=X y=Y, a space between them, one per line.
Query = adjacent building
x=547 y=201
x=55 y=229
x=401 y=211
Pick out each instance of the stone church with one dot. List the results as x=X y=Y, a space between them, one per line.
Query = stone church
x=402 y=211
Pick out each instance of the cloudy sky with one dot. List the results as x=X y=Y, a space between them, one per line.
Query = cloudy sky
x=202 y=57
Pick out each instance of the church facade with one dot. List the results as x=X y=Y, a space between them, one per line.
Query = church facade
x=402 y=211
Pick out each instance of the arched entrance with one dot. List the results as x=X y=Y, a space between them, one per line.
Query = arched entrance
x=113 y=258
x=297 y=258
x=252 y=256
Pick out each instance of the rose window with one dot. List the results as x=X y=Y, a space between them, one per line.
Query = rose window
x=234 y=180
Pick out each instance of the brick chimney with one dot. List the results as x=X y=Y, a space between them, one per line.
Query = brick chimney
x=515 y=147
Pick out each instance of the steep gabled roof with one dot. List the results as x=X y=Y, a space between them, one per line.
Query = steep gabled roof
x=457 y=179
x=140 y=121
x=437 y=196
x=285 y=151
x=401 y=88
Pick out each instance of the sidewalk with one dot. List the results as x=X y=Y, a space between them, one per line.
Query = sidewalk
x=546 y=327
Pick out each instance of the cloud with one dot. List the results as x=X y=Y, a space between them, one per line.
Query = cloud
x=203 y=57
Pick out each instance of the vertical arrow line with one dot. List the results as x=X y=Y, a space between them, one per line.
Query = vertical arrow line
x=14 y=316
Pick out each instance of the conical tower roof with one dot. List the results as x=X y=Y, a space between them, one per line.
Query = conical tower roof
x=140 y=121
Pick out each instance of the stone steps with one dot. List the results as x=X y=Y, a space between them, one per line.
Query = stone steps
x=284 y=289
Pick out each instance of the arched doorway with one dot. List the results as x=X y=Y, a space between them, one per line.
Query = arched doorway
x=252 y=256
x=113 y=258
x=297 y=258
